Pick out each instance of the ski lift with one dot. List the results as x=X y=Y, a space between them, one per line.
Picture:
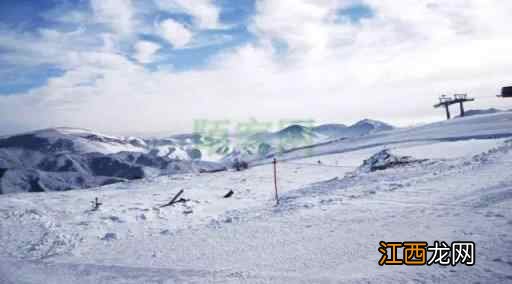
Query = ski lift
x=506 y=92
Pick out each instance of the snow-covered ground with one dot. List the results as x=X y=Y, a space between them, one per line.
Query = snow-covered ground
x=326 y=228
x=488 y=126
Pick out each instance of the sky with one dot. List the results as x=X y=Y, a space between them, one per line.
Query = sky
x=157 y=66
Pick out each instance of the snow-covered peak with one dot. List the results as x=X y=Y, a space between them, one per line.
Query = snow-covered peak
x=293 y=130
x=375 y=124
x=71 y=140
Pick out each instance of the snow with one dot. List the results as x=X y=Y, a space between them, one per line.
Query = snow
x=448 y=150
x=326 y=228
x=82 y=143
x=490 y=126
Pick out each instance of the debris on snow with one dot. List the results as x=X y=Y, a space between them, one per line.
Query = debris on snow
x=173 y=200
x=229 y=194
x=109 y=237
x=95 y=204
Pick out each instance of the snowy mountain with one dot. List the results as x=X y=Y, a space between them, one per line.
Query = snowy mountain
x=360 y=128
x=330 y=130
x=71 y=140
x=262 y=144
x=290 y=137
x=445 y=181
x=367 y=126
x=485 y=126
x=66 y=158
x=265 y=144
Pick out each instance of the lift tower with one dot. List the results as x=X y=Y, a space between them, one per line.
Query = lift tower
x=445 y=101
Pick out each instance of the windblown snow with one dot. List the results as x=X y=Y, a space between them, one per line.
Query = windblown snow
x=447 y=181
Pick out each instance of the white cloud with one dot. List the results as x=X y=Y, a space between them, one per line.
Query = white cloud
x=390 y=67
x=118 y=14
x=45 y=46
x=300 y=24
x=175 y=33
x=204 y=12
x=145 y=51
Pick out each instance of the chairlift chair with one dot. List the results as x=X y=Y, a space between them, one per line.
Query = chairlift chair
x=506 y=92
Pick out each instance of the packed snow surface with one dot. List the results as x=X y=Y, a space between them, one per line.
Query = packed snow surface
x=454 y=186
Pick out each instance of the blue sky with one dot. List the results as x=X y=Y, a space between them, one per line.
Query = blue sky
x=29 y=17
x=165 y=63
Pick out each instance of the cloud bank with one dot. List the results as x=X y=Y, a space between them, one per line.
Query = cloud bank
x=305 y=59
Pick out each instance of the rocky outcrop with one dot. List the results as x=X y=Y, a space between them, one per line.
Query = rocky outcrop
x=384 y=160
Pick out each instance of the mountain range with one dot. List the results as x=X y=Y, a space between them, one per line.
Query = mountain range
x=65 y=158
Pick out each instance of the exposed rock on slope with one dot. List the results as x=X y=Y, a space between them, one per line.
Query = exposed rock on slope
x=66 y=158
x=384 y=160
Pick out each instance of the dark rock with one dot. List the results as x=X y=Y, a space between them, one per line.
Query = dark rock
x=111 y=167
x=26 y=141
x=384 y=160
x=35 y=186
x=109 y=237
x=194 y=154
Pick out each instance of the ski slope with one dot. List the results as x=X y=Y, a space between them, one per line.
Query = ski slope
x=486 y=126
x=326 y=229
